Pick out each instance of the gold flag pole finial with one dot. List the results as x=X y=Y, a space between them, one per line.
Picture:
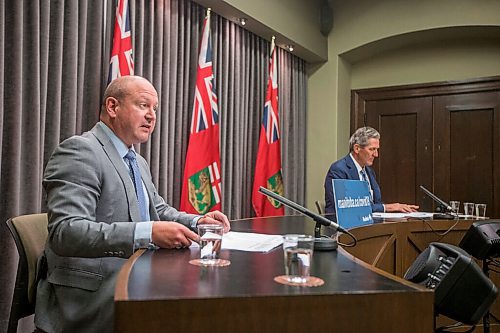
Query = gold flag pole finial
x=208 y=11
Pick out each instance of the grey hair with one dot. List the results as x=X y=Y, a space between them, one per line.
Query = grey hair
x=361 y=137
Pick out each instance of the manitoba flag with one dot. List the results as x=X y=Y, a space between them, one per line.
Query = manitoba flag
x=201 y=188
x=268 y=165
x=121 y=62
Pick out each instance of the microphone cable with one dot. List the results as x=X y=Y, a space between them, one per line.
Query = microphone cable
x=354 y=240
x=441 y=235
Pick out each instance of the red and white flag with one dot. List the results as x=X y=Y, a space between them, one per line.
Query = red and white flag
x=201 y=187
x=268 y=165
x=122 y=62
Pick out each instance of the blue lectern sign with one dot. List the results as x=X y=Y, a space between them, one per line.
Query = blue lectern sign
x=352 y=202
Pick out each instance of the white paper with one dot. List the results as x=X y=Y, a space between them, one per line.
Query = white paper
x=418 y=215
x=211 y=235
x=389 y=215
x=251 y=242
x=248 y=241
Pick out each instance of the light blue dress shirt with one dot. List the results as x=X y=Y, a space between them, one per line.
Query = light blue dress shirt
x=143 y=230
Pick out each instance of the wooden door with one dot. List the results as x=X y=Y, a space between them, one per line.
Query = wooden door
x=445 y=136
x=466 y=148
x=405 y=156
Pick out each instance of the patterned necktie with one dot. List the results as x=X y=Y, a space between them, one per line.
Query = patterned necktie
x=135 y=174
x=363 y=175
x=365 y=178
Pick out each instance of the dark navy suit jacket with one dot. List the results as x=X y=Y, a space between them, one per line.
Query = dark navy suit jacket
x=346 y=169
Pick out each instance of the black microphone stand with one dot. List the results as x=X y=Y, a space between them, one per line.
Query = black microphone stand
x=486 y=317
x=323 y=243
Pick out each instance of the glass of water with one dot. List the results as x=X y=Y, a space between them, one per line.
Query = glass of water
x=210 y=243
x=298 y=252
x=469 y=209
x=455 y=206
x=481 y=210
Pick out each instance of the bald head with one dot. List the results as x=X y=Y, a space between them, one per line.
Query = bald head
x=129 y=108
x=120 y=88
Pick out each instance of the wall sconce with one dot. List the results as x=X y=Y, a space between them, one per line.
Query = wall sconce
x=242 y=21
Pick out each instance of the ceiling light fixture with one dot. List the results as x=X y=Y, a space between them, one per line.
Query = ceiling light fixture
x=242 y=21
x=290 y=47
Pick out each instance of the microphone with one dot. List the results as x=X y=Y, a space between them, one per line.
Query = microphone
x=441 y=203
x=320 y=243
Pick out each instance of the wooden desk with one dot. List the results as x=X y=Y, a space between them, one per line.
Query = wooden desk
x=394 y=245
x=160 y=290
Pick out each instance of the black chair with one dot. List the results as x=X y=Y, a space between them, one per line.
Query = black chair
x=29 y=233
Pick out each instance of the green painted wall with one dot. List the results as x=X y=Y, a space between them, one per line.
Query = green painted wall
x=392 y=42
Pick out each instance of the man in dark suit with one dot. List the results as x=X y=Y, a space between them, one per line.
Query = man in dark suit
x=103 y=206
x=363 y=149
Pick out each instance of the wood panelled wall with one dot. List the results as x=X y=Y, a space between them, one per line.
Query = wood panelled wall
x=445 y=136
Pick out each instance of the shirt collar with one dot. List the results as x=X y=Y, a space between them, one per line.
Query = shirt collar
x=358 y=167
x=120 y=146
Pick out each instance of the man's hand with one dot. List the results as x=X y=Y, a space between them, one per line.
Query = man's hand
x=403 y=208
x=216 y=217
x=171 y=235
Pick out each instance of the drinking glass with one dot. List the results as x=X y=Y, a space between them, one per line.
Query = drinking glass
x=480 y=210
x=210 y=243
x=469 y=208
x=455 y=205
x=298 y=252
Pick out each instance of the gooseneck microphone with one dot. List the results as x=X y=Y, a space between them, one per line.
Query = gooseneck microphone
x=438 y=200
x=444 y=206
x=316 y=217
x=320 y=243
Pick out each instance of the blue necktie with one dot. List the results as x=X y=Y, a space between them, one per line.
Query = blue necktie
x=363 y=175
x=365 y=178
x=135 y=174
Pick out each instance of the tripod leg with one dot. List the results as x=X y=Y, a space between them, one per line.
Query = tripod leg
x=486 y=317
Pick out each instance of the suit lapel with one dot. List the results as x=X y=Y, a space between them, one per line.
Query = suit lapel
x=371 y=174
x=353 y=171
x=121 y=169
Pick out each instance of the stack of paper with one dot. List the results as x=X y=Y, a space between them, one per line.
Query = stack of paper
x=251 y=242
x=248 y=241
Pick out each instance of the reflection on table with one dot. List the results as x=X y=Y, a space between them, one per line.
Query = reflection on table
x=160 y=290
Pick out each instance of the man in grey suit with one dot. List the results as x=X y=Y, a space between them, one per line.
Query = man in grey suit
x=99 y=215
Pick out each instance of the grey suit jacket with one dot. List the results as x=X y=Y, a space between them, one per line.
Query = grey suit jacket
x=93 y=212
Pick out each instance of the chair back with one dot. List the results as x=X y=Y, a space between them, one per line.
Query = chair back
x=320 y=206
x=30 y=234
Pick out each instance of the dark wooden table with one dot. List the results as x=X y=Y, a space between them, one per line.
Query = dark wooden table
x=393 y=246
x=160 y=290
